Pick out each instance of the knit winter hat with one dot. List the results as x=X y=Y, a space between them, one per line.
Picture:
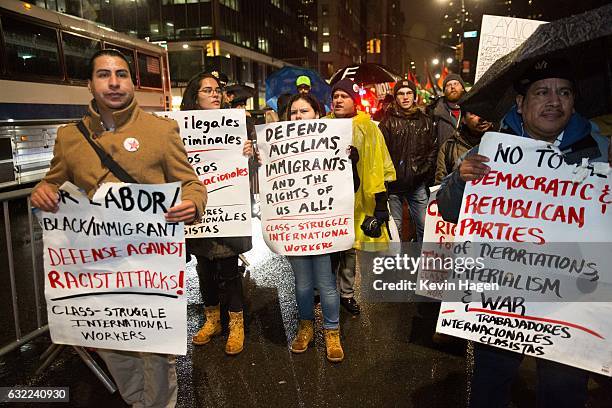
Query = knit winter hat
x=404 y=83
x=453 y=77
x=349 y=86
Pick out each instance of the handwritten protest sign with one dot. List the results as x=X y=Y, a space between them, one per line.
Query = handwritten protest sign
x=114 y=269
x=306 y=186
x=438 y=236
x=544 y=240
x=499 y=36
x=214 y=140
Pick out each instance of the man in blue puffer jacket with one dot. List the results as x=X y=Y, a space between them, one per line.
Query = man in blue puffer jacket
x=544 y=111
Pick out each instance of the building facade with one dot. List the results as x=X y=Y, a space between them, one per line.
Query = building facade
x=245 y=39
x=385 y=42
x=341 y=34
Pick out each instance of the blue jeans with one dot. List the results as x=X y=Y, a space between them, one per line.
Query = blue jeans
x=559 y=385
x=311 y=271
x=417 y=201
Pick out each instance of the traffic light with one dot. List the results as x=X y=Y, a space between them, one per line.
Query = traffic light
x=459 y=52
x=212 y=48
x=373 y=46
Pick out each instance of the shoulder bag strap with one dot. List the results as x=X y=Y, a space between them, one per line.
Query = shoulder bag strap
x=105 y=158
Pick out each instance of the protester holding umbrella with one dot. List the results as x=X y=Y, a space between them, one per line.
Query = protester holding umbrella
x=218 y=271
x=544 y=111
x=314 y=270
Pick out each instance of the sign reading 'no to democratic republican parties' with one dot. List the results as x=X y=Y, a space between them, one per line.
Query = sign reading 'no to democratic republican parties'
x=214 y=140
x=114 y=269
x=543 y=235
x=306 y=186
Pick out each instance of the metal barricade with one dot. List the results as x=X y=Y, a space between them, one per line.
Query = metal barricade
x=21 y=338
x=54 y=349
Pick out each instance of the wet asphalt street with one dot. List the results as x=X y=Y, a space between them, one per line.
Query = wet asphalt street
x=390 y=359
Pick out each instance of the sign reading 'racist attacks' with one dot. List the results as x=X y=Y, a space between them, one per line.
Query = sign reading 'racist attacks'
x=115 y=269
x=543 y=236
x=306 y=186
x=214 y=140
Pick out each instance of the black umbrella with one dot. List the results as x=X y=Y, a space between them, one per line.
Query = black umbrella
x=366 y=73
x=585 y=40
x=242 y=91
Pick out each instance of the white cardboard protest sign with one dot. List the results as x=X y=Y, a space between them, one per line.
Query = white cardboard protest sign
x=500 y=35
x=214 y=140
x=306 y=186
x=114 y=269
x=549 y=302
x=438 y=236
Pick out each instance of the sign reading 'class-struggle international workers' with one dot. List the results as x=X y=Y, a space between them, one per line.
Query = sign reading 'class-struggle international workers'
x=541 y=230
x=214 y=140
x=115 y=269
x=306 y=186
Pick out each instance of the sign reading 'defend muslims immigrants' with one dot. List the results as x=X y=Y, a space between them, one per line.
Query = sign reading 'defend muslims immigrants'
x=306 y=186
x=214 y=140
x=115 y=269
x=541 y=228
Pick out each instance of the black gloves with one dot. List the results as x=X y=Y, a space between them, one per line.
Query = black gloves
x=354 y=154
x=354 y=157
x=381 y=211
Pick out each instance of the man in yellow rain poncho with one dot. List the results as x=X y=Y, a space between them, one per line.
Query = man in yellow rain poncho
x=374 y=168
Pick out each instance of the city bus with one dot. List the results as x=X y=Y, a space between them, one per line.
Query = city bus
x=44 y=58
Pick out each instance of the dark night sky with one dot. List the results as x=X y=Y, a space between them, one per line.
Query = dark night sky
x=422 y=19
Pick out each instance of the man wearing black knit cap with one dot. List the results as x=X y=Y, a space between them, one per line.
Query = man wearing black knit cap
x=367 y=150
x=446 y=113
x=411 y=142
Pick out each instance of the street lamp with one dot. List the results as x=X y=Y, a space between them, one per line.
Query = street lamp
x=449 y=60
x=435 y=61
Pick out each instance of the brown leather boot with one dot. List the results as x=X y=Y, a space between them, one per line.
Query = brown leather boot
x=211 y=327
x=333 y=348
x=304 y=336
x=235 y=340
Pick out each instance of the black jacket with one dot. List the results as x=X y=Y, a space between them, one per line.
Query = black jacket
x=412 y=146
x=445 y=124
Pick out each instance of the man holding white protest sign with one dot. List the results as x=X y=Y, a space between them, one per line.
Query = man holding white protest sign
x=145 y=149
x=544 y=111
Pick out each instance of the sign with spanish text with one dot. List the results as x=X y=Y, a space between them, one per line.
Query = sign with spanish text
x=214 y=140
x=115 y=269
x=541 y=228
x=306 y=186
x=500 y=35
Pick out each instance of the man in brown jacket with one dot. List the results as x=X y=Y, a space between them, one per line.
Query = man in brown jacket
x=150 y=150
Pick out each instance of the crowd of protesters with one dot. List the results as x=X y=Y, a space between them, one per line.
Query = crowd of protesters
x=395 y=161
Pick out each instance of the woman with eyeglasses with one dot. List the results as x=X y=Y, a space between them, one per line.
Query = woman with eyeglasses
x=312 y=271
x=218 y=271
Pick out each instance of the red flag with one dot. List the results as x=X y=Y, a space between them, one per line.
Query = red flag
x=413 y=78
x=431 y=84
x=443 y=76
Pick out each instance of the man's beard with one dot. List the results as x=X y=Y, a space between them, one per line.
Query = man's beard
x=453 y=96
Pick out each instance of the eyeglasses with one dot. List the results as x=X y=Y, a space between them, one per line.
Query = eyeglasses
x=209 y=91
